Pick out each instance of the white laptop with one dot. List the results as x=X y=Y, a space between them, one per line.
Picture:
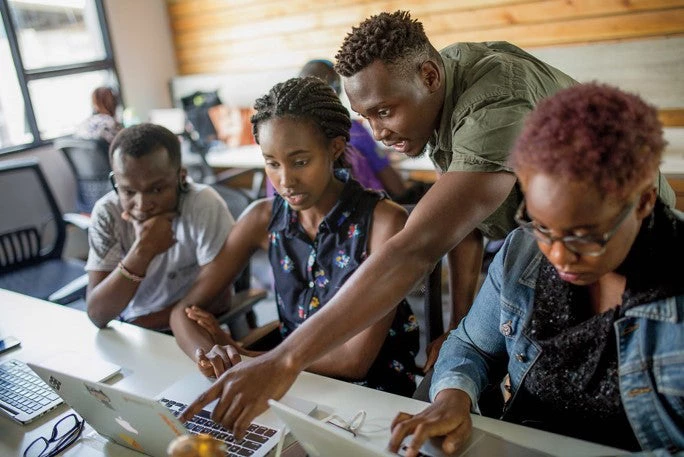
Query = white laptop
x=147 y=425
x=24 y=397
x=321 y=439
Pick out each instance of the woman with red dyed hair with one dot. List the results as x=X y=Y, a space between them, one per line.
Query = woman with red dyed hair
x=584 y=305
x=102 y=124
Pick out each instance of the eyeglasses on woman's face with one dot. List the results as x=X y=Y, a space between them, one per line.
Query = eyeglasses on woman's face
x=587 y=245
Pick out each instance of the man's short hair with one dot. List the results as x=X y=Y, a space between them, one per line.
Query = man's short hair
x=393 y=38
x=142 y=139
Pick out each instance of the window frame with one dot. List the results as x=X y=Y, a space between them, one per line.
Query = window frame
x=25 y=76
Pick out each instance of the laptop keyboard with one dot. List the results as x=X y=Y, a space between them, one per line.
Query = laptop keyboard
x=404 y=448
x=22 y=389
x=257 y=435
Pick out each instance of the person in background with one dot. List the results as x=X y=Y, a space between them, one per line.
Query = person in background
x=584 y=304
x=156 y=239
x=464 y=107
x=102 y=124
x=320 y=226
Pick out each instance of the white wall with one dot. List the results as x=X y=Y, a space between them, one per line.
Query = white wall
x=143 y=50
x=652 y=68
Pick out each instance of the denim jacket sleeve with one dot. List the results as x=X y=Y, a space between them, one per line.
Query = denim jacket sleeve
x=475 y=354
x=657 y=453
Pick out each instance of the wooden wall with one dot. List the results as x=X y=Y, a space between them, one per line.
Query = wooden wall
x=231 y=36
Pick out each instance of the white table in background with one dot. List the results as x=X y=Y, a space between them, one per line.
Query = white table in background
x=239 y=157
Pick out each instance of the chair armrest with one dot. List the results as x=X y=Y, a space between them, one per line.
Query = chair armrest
x=240 y=319
x=259 y=334
x=78 y=220
x=258 y=177
x=432 y=307
x=242 y=303
x=70 y=292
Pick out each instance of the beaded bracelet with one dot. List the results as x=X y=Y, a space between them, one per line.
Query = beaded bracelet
x=128 y=275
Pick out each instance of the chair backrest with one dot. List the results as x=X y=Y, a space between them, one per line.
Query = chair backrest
x=196 y=106
x=237 y=202
x=236 y=199
x=31 y=227
x=89 y=160
x=432 y=305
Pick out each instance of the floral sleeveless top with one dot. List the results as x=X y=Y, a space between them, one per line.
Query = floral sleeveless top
x=308 y=273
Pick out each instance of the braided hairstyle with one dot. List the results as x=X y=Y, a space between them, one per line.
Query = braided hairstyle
x=308 y=99
x=393 y=38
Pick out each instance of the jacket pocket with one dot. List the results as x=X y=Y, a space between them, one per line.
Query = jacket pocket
x=669 y=379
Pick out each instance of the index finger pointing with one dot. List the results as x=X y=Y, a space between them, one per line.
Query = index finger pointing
x=211 y=394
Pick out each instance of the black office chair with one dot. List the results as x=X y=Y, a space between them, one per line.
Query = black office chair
x=32 y=237
x=201 y=136
x=432 y=304
x=200 y=170
x=89 y=160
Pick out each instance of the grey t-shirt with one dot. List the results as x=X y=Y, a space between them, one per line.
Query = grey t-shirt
x=200 y=229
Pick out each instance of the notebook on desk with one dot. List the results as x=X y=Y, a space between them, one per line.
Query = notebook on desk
x=148 y=425
x=321 y=439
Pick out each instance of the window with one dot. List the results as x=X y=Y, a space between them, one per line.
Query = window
x=12 y=112
x=53 y=54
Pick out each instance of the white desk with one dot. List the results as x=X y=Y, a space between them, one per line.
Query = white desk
x=250 y=157
x=152 y=361
x=240 y=157
x=404 y=163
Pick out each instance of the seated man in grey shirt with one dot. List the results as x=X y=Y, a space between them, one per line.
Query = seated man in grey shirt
x=156 y=239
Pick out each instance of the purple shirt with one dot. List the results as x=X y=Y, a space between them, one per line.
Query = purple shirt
x=362 y=140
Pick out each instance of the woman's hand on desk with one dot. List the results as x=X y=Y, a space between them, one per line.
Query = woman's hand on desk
x=244 y=390
x=447 y=416
x=210 y=324
x=223 y=355
x=217 y=361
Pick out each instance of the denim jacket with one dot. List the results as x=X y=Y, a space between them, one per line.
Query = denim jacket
x=492 y=340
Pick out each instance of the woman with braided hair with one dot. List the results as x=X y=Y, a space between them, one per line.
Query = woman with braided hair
x=319 y=228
